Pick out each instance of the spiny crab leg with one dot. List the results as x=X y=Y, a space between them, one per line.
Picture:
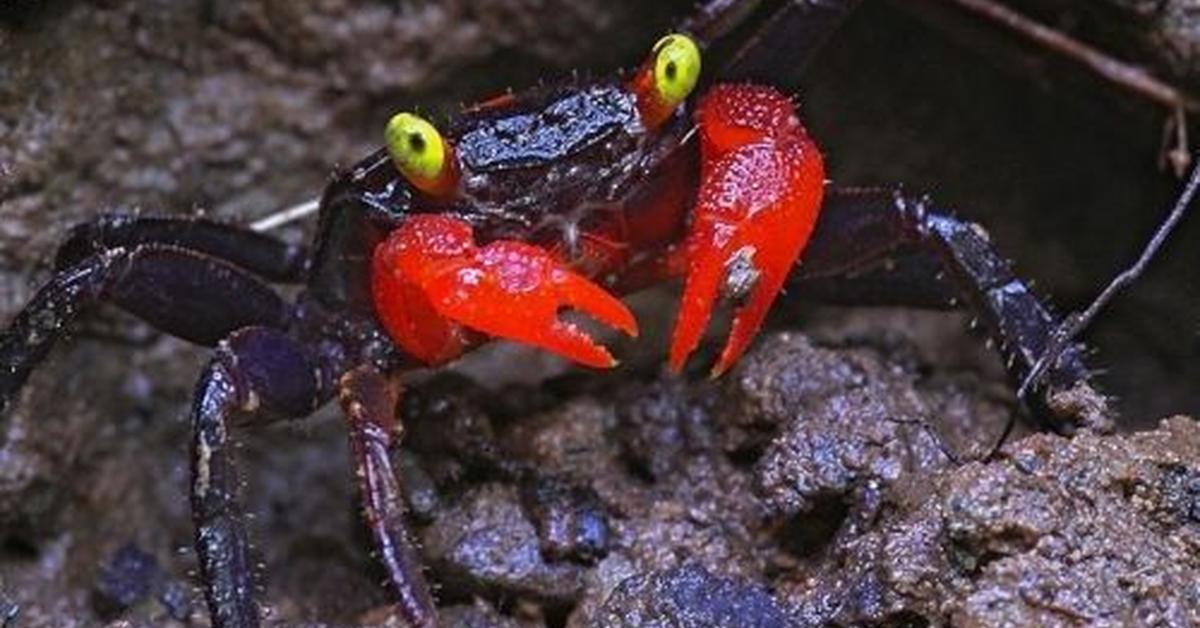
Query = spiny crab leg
x=431 y=280
x=761 y=184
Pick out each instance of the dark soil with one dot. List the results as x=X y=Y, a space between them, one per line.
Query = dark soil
x=828 y=480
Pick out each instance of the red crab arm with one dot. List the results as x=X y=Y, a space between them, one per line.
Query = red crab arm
x=369 y=400
x=430 y=281
x=258 y=253
x=258 y=375
x=180 y=292
x=936 y=260
x=761 y=187
x=531 y=316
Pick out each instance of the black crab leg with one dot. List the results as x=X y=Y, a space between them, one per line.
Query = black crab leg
x=258 y=253
x=184 y=293
x=934 y=260
x=784 y=41
x=369 y=400
x=258 y=375
x=811 y=22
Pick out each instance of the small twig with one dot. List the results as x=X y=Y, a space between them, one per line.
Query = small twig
x=1126 y=75
x=1075 y=323
x=283 y=217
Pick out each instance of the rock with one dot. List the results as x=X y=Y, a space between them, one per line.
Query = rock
x=484 y=545
x=688 y=597
x=1059 y=532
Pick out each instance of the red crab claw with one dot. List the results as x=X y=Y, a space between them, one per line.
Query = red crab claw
x=430 y=278
x=762 y=181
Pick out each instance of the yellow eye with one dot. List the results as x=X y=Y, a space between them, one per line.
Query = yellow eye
x=676 y=68
x=417 y=150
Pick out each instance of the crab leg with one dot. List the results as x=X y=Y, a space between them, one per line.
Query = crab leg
x=254 y=252
x=886 y=247
x=258 y=375
x=432 y=284
x=782 y=46
x=182 y=292
x=369 y=400
x=762 y=181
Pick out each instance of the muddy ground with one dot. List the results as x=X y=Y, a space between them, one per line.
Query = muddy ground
x=812 y=485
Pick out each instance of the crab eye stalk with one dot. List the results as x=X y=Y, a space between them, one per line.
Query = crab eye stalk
x=421 y=155
x=667 y=78
x=676 y=68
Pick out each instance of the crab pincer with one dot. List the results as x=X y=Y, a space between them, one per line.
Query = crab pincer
x=432 y=283
x=762 y=180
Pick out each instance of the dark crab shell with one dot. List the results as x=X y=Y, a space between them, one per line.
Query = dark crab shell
x=534 y=167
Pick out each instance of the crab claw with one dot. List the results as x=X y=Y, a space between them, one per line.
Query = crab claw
x=762 y=181
x=431 y=280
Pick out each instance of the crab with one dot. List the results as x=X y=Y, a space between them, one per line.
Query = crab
x=562 y=197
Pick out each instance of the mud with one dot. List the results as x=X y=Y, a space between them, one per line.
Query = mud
x=832 y=478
